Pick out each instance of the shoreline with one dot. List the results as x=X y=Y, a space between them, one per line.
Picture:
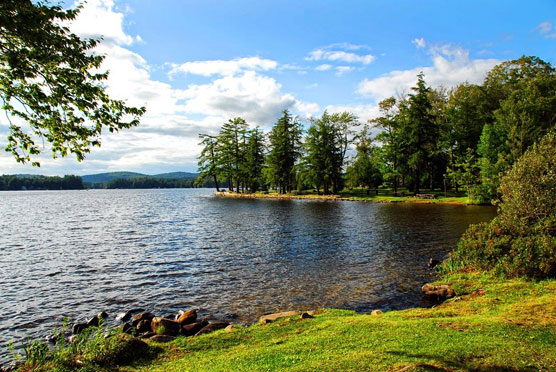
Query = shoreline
x=370 y=198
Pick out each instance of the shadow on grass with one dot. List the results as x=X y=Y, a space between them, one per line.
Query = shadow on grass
x=465 y=363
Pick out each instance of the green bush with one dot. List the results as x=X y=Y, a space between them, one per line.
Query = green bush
x=521 y=240
x=91 y=350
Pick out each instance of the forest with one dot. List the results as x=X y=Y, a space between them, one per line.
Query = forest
x=462 y=139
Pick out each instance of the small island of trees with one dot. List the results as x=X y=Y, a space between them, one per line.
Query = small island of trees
x=463 y=140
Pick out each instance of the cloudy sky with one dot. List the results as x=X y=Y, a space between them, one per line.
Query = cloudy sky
x=196 y=63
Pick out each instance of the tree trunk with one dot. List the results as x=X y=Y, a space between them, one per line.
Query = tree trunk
x=216 y=182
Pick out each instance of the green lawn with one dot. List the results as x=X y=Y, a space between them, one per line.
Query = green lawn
x=493 y=325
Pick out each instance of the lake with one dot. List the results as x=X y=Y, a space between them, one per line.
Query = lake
x=74 y=253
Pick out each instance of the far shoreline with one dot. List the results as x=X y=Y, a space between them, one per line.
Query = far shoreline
x=370 y=198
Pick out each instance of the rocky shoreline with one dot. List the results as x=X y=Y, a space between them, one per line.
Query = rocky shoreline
x=144 y=326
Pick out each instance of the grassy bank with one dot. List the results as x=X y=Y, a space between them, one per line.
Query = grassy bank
x=383 y=196
x=492 y=325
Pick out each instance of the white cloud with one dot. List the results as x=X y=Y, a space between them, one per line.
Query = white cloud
x=324 y=67
x=341 y=52
x=340 y=70
x=223 y=68
x=340 y=56
x=419 y=42
x=256 y=98
x=363 y=112
x=547 y=30
x=99 y=19
x=451 y=66
x=167 y=138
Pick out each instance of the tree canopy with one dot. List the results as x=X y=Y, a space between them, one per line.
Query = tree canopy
x=50 y=86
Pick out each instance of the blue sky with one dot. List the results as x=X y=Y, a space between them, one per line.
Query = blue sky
x=195 y=64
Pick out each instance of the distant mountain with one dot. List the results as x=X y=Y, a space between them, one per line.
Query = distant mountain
x=28 y=175
x=106 y=177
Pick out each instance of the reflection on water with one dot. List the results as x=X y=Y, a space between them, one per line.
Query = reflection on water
x=72 y=253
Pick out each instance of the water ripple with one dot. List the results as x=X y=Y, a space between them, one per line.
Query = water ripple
x=73 y=253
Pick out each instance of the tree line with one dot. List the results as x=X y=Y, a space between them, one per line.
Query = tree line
x=462 y=139
x=13 y=182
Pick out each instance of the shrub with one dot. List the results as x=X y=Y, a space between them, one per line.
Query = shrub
x=521 y=240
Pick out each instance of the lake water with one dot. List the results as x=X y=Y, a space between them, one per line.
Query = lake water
x=74 y=253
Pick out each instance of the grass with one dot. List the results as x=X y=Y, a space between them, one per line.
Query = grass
x=492 y=325
x=383 y=196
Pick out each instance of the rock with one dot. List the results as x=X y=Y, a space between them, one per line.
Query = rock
x=162 y=338
x=97 y=319
x=193 y=328
x=265 y=319
x=211 y=327
x=187 y=317
x=433 y=263
x=79 y=327
x=315 y=312
x=142 y=316
x=231 y=328
x=305 y=315
x=123 y=317
x=148 y=335
x=165 y=326
x=376 y=312
x=438 y=292
x=126 y=328
x=143 y=326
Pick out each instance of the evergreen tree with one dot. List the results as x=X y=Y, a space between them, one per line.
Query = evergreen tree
x=422 y=131
x=254 y=159
x=284 y=151
x=208 y=160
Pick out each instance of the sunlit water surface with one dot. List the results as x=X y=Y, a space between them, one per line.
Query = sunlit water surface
x=73 y=253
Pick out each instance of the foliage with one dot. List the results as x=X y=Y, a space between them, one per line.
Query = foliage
x=365 y=170
x=284 y=151
x=91 y=350
x=466 y=138
x=49 y=80
x=68 y=182
x=521 y=240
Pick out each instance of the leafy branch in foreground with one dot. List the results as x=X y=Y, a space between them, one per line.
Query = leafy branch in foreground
x=49 y=80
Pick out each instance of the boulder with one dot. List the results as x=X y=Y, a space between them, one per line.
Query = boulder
x=126 y=328
x=433 y=263
x=187 y=317
x=165 y=326
x=123 y=317
x=193 y=328
x=438 y=292
x=142 y=316
x=305 y=315
x=376 y=312
x=232 y=328
x=148 y=335
x=143 y=326
x=265 y=319
x=211 y=327
x=96 y=320
x=315 y=312
x=79 y=327
x=161 y=338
